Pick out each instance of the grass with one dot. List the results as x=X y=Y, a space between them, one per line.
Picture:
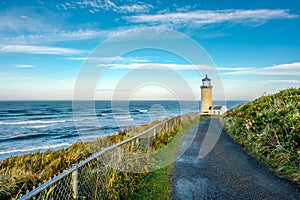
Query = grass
x=157 y=184
x=269 y=129
x=154 y=186
x=22 y=173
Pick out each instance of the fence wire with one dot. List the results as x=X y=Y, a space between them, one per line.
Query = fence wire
x=90 y=178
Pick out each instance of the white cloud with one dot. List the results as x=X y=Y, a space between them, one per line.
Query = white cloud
x=234 y=68
x=282 y=69
x=139 y=60
x=22 y=22
x=56 y=35
x=29 y=49
x=99 y=59
x=184 y=9
x=27 y=26
x=24 y=17
x=97 y=5
x=105 y=60
x=288 y=66
x=157 y=66
x=135 y=8
x=23 y=66
x=285 y=81
x=77 y=58
x=203 y=17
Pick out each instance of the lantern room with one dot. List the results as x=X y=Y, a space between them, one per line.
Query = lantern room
x=206 y=82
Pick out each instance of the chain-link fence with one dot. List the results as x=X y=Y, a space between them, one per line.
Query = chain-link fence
x=90 y=178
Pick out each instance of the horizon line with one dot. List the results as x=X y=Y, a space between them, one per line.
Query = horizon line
x=2 y=100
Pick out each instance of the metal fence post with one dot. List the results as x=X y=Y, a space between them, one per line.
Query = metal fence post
x=166 y=127
x=75 y=183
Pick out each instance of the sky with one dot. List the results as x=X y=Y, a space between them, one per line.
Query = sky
x=253 y=45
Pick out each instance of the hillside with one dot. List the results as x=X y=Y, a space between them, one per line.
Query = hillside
x=269 y=128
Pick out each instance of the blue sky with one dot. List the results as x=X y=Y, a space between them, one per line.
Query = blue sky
x=255 y=45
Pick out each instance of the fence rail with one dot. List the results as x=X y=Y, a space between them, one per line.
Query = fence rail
x=87 y=179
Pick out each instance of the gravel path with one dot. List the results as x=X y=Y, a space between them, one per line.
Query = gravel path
x=227 y=172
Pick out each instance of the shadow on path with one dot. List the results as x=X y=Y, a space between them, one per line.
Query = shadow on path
x=227 y=172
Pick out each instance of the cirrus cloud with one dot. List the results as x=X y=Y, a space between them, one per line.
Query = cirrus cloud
x=157 y=66
x=281 y=69
x=203 y=17
x=24 y=66
x=285 y=81
x=30 y=49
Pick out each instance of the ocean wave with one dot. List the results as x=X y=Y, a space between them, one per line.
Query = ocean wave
x=16 y=111
x=34 y=122
x=43 y=118
x=26 y=114
x=26 y=137
x=106 y=111
x=85 y=118
x=36 y=127
x=35 y=148
x=38 y=114
x=143 y=111
x=10 y=115
x=123 y=117
x=65 y=136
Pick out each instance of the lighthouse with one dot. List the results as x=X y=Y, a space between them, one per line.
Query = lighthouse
x=206 y=96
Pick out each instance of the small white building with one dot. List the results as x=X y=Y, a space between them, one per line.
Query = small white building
x=217 y=110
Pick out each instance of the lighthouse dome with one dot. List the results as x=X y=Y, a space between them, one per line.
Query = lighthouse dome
x=206 y=78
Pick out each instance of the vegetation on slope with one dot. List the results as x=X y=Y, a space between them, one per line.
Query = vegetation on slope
x=269 y=128
x=22 y=173
x=19 y=174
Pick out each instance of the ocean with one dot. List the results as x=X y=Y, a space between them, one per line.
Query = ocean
x=30 y=126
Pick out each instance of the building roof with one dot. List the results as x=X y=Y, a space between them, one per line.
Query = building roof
x=206 y=78
x=216 y=108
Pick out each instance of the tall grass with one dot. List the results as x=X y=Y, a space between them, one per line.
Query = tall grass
x=269 y=128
